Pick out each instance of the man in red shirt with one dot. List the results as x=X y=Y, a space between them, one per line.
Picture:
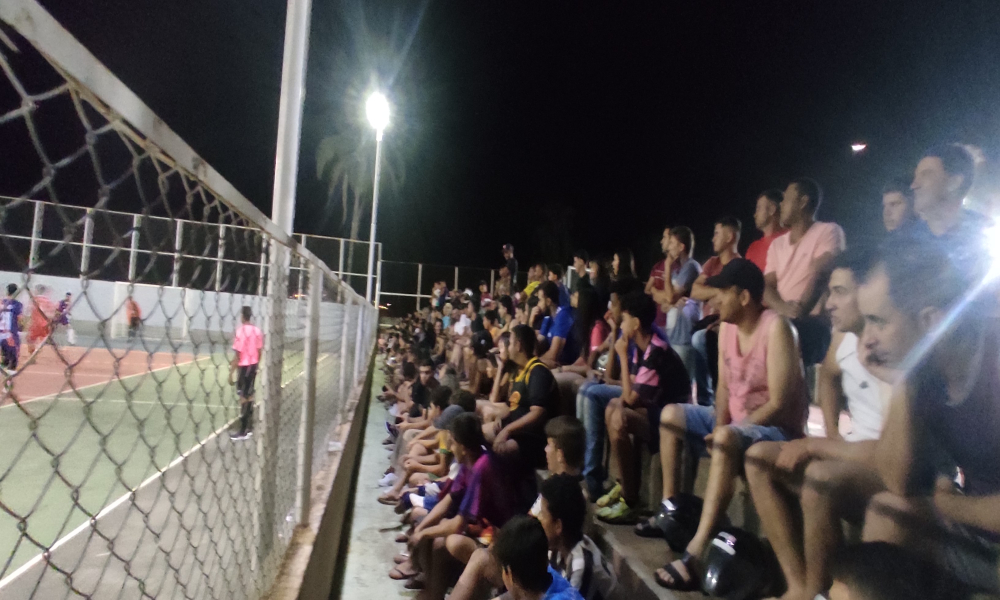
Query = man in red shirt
x=766 y=218
x=705 y=339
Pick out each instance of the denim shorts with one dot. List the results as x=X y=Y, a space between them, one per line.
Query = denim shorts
x=700 y=421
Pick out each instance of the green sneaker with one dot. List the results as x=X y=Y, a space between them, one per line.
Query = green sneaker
x=619 y=514
x=614 y=495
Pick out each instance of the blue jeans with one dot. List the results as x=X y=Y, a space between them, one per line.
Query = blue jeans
x=702 y=374
x=592 y=400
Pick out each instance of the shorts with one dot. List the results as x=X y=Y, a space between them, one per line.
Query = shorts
x=245 y=379
x=972 y=558
x=38 y=333
x=700 y=421
x=9 y=353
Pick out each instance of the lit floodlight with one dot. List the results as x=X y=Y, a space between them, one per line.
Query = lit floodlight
x=378 y=111
x=858 y=147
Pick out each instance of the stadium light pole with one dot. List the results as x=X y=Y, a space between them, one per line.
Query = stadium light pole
x=377 y=108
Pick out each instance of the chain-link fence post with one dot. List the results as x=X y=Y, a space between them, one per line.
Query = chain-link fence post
x=420 y=277
x=456 y=279
x=134 y=247
x=36 y=235
x=345 y=340
x=309 y=397
x=175 y=276
x=219 y=256
x=88 y=239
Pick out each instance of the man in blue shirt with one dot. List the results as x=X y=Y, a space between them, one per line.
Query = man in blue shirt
x=522 y=551
x=557 y=327
x=10 y=337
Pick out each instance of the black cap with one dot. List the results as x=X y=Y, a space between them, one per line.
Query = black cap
x=508 y=247
x=743 y=274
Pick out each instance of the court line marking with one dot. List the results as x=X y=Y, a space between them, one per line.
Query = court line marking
x=40 y=557
x=90 y=385
x=107 y=509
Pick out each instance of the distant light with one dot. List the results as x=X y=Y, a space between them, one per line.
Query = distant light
x=859 y=147
x=378 y=111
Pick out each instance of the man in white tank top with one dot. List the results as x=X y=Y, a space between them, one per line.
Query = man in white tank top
x=832 y=476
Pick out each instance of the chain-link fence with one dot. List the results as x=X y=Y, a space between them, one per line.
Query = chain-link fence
x=131 y=464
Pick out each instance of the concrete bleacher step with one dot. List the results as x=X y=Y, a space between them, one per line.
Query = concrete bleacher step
x=635 y=559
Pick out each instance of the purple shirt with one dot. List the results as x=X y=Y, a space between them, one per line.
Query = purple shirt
x=10 y=313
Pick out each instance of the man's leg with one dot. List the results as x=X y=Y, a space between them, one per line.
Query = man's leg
x=830 y=489
x=621 y=449
x=246 y=412
x=727 y=456
x=634 y=425
x=699 y=343
x=447 y=556
x=481 y=573
x=673 y=433
x=776 y=507
x=598 y=397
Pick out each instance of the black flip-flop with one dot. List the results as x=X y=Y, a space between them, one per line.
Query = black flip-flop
x=654 y=527
x=678 y=583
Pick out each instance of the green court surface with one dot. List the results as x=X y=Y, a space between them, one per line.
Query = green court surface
x=68 y=459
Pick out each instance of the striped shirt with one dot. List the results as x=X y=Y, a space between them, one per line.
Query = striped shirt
x=586 y=570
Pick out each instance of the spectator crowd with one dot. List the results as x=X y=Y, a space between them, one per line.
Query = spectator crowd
x=520 y=415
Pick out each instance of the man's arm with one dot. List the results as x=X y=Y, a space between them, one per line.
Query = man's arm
x=821 y=268
x=628 y=394
x=980 y=511
x=551 y=357
x=702 y=292
x=535 y=414
x=774 y=301
x=831 y=391
x=894 y=456
x=722 y=416
x=435 y=515
x=784 y=372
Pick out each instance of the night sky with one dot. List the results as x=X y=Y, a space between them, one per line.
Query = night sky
x=558 y=125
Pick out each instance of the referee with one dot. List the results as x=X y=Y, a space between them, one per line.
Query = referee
x=247 y=343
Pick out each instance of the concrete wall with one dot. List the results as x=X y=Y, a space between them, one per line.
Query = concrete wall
x=185 y=312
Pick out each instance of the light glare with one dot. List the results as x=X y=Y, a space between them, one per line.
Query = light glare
x=378 y=111
x=858 y=147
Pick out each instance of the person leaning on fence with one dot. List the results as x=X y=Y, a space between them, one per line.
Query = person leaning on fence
x=247 y=343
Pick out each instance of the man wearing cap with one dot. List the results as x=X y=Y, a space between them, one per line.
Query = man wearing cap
x=508 y=254
x=761 y=396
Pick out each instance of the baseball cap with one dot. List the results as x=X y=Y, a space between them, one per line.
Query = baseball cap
x=741 y=273
x=508 y=247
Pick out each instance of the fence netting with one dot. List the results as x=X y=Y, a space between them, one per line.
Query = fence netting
x=126 y=470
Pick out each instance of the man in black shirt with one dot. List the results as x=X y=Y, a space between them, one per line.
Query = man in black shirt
x=508 y=255
x=534 y=399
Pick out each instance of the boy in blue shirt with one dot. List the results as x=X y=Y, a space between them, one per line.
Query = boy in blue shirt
x=522 y=551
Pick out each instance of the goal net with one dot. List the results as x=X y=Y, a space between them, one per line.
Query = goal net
x=131 y=466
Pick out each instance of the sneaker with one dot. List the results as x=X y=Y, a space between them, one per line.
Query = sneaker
x=389 y=480
x=613 y=496
x=618 y=514
x=236 y=436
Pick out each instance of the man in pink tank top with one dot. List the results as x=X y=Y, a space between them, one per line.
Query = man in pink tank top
x=761 y=396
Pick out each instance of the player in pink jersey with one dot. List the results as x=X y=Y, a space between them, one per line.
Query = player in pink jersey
x=247 y=343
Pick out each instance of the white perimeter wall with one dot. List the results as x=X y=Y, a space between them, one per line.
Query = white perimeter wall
x=183 y=311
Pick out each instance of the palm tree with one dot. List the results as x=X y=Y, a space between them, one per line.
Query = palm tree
x=346 y=161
